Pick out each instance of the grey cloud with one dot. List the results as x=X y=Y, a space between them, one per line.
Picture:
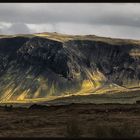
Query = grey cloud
x=91 y=13
x=16 y=28
x=79 y=18
x=116 y=31
x=19 y=28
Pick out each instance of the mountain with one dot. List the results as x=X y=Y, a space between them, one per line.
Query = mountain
x=51 y=65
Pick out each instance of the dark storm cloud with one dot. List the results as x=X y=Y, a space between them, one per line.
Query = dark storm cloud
x=78 y=18
x=91 y=13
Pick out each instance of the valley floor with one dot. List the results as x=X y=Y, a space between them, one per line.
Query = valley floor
x=73 y=120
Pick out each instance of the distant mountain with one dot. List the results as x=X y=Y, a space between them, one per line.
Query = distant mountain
x=50 y=65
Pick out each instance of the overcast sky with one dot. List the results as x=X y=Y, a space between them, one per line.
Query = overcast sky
x=102 y=19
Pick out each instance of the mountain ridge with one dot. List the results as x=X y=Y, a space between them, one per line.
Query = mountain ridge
x=51 y=65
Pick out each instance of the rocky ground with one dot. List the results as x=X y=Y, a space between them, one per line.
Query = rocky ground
x=74 y=120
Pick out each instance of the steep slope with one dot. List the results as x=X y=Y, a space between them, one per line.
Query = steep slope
x=52 y=65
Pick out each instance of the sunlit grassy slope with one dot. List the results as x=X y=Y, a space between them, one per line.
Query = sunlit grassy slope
x=65 y=37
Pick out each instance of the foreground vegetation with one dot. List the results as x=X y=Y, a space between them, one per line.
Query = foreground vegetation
x=71 y=121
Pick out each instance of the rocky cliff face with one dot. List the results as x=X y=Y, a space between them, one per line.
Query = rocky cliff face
x=44 y=67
